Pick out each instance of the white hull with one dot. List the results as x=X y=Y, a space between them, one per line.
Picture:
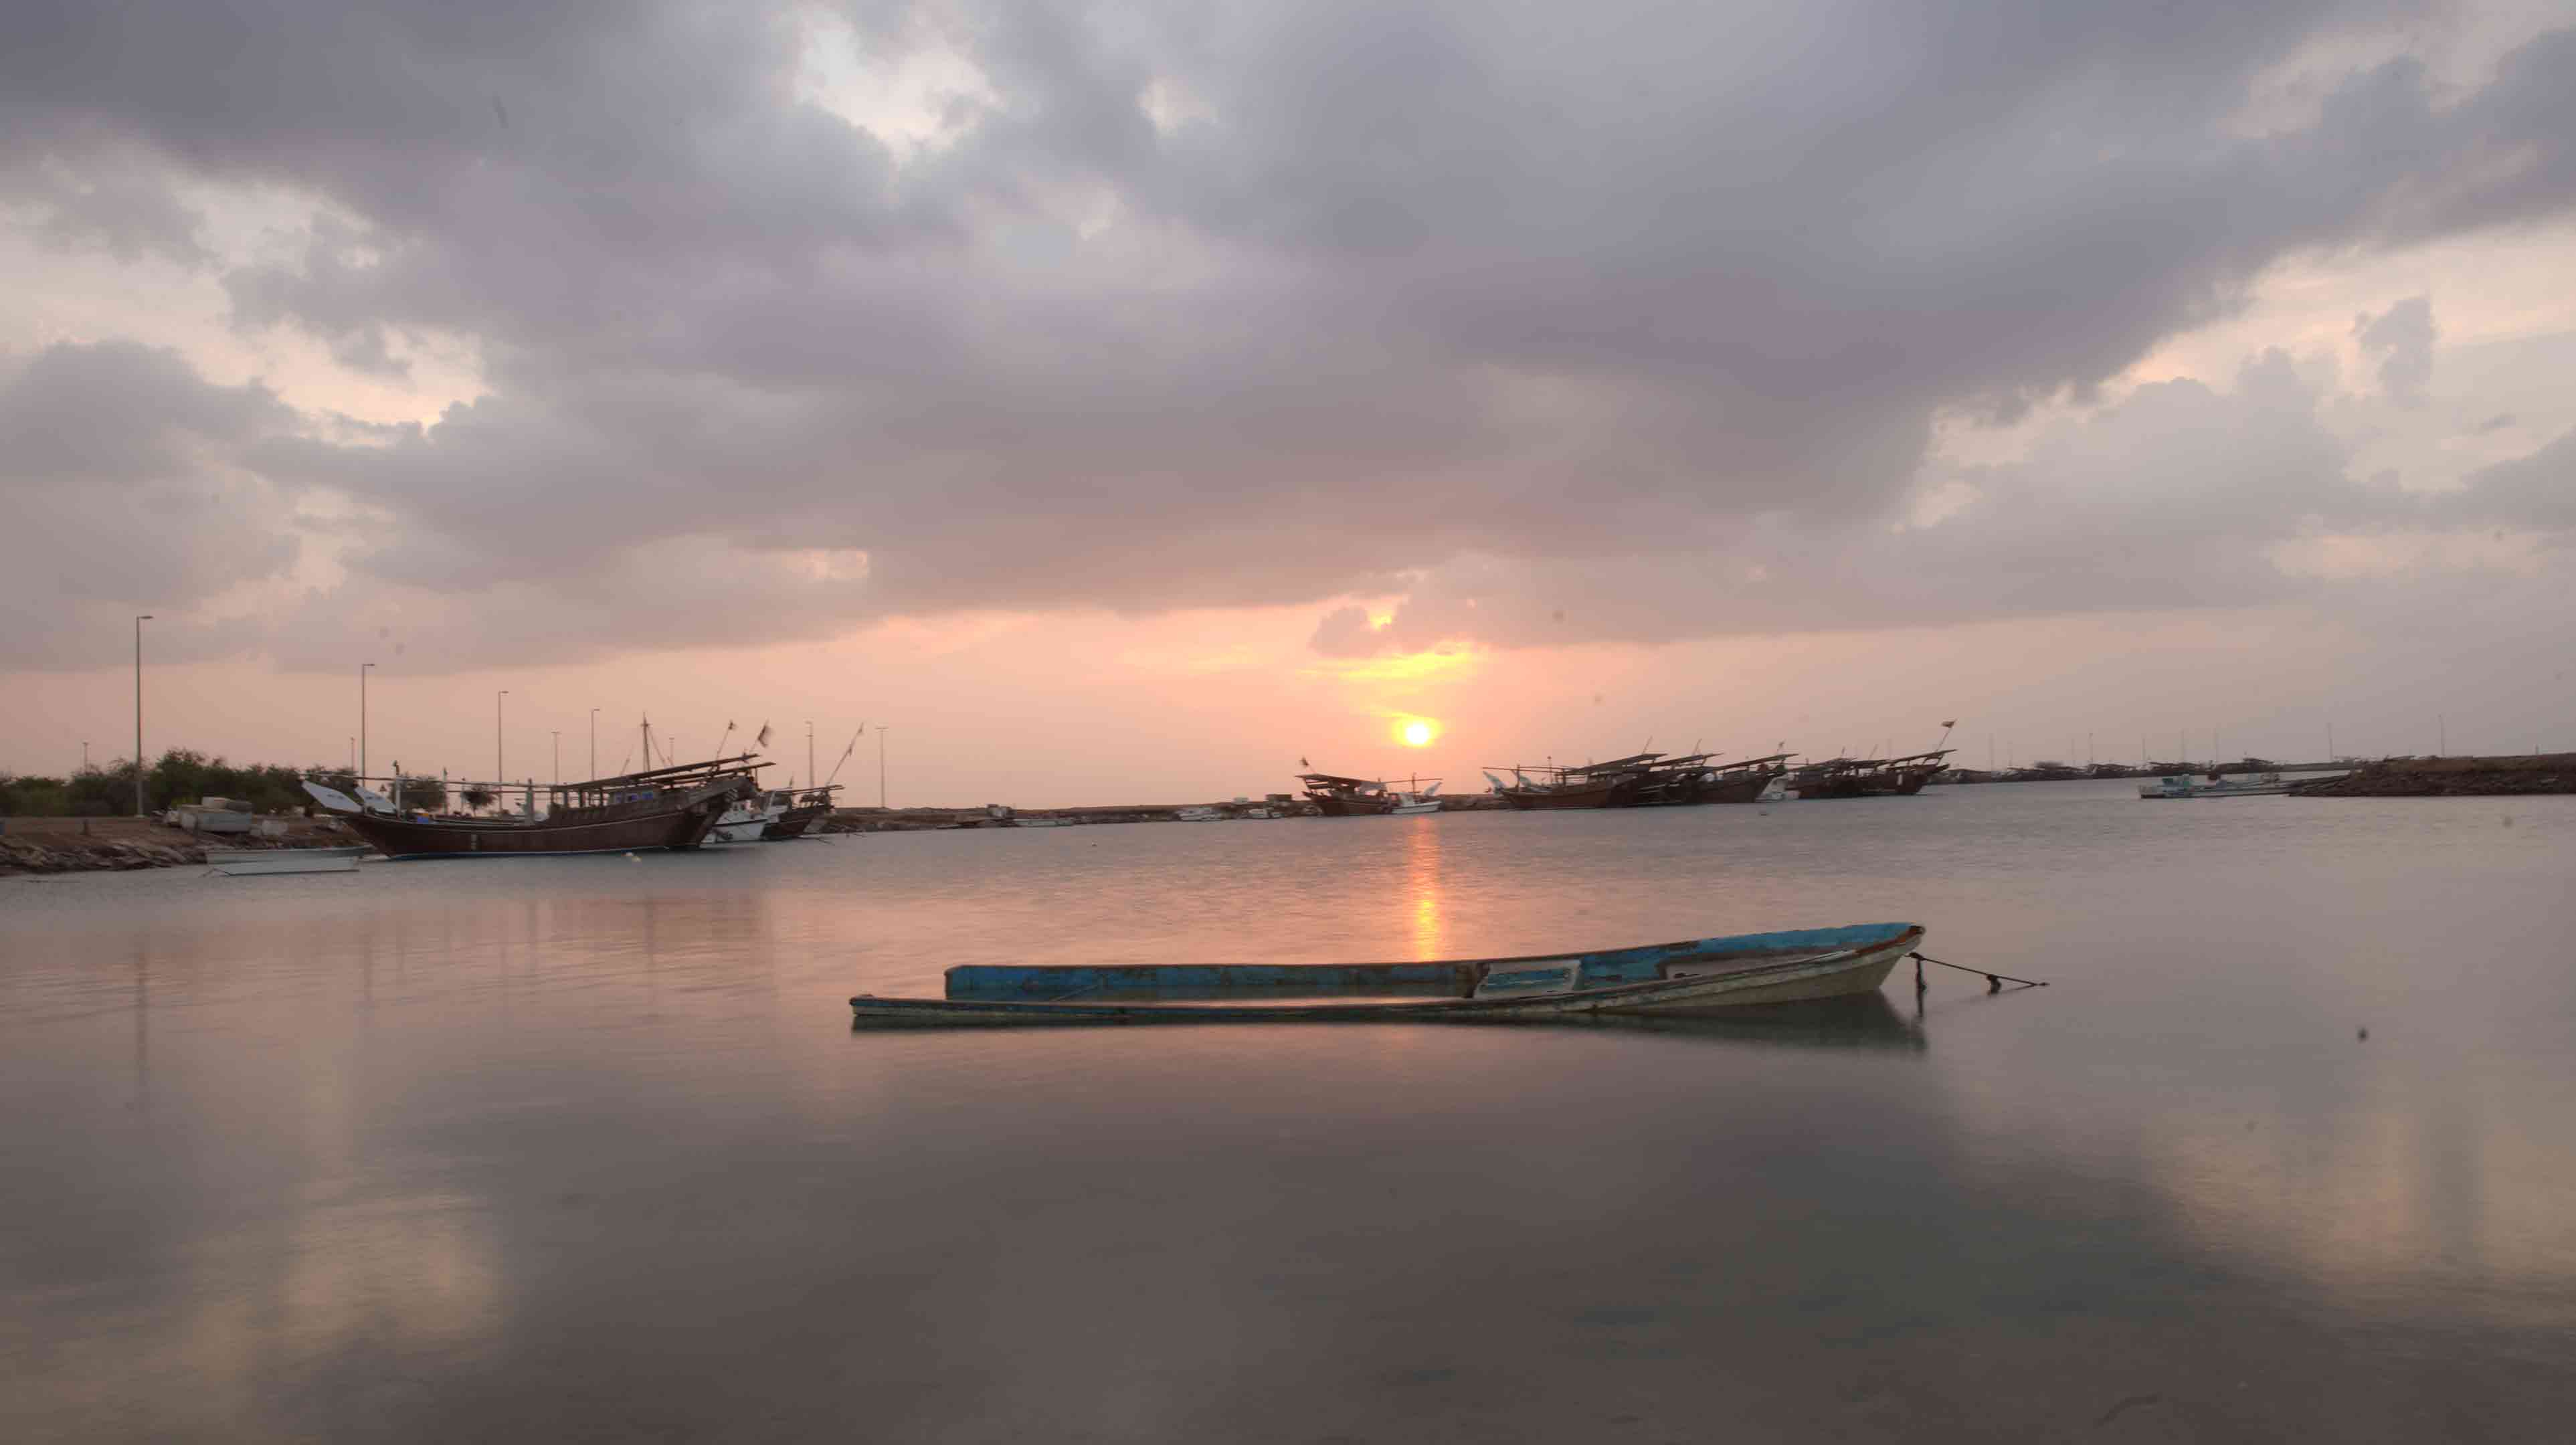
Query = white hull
x=1427 y=805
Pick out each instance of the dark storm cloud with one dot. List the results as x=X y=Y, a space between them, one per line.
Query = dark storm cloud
x=1214 y=305
x=123 y=488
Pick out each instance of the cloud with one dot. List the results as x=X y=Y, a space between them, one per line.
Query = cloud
x=1636 y=309
x=122 y=480
x=2402 y=338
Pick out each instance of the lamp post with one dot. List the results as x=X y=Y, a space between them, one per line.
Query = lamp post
x=594 y=742
x=138 y=712
x=362 y=720
x=497 y=774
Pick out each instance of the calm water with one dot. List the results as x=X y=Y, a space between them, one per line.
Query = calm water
x=587 y=1148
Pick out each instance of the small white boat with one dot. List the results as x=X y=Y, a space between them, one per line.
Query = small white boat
x=1199 y=815
x=747 y=820
x=258 y=862
x=2187 y=785
x=1426 y=800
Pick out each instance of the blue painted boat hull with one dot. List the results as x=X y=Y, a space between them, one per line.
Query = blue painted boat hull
x=1687 y=977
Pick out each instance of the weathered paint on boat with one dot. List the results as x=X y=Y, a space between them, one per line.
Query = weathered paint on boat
x=1667 y=978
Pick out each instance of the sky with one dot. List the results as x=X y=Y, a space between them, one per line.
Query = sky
x=1125 y=402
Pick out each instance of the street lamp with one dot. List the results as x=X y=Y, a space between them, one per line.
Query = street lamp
x=362 y=721
x=497 y=774
x=138 y=712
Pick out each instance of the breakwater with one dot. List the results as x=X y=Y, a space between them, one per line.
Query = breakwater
x=91 y=845
x=2508 y=776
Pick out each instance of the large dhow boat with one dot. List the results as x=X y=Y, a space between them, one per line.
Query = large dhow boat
x=1643 y=780
x=1614 y=784
x=671 y=807
x=1695 y=977
x=1868 y=777
x=1335 y=796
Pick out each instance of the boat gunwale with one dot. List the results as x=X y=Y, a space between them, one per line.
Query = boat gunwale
x=1637 y=997
x=1680 y=948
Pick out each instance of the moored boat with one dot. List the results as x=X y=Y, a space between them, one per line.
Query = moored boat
x=1335 y=796
x=658 y=808
x=1614 y=784
x=1868 y=777
x=807 y=808
x=2216 y=785
x=1671 y=979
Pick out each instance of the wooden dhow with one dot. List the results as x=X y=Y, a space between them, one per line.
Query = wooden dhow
x=657 y=808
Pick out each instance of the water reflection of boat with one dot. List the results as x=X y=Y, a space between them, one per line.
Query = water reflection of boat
x=1685 y=978
x=1861 y=1021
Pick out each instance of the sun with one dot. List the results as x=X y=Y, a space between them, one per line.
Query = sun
x=1417 y=733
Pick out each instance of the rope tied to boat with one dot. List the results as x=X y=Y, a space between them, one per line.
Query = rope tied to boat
x=1994 y=981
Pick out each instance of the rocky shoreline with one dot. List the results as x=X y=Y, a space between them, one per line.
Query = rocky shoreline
x=119 y=845
x=2489 y=777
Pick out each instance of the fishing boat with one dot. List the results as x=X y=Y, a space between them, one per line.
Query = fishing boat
x=1685 y=979
x=1868 y=777
x=1614 y=784
x=1743 y=782
x=658 y=808
x=804 y=810
x=258 y=862
x=1410 y=803
x=749 y=819
x=2215 y=785
x=1335 y=796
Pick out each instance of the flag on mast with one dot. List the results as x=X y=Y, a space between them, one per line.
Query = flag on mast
x=763 y=739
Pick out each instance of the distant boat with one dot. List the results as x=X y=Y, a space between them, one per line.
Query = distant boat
x=806 y=809
x=1199 y=815
x=1614 y=784
x=673 y=807
x=255 y=862
x=1665 y=979
x=1335 y=796
x=1417 y=799
x=2186 y=785
x=1868 y=777
x=750 y=819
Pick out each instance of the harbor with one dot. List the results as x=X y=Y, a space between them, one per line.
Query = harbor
x=501 y=1085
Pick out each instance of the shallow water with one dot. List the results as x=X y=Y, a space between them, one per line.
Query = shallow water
x=586 y=1146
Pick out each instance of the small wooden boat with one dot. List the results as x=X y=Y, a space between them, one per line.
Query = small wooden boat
x=1682 y=979
x=257 y=862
